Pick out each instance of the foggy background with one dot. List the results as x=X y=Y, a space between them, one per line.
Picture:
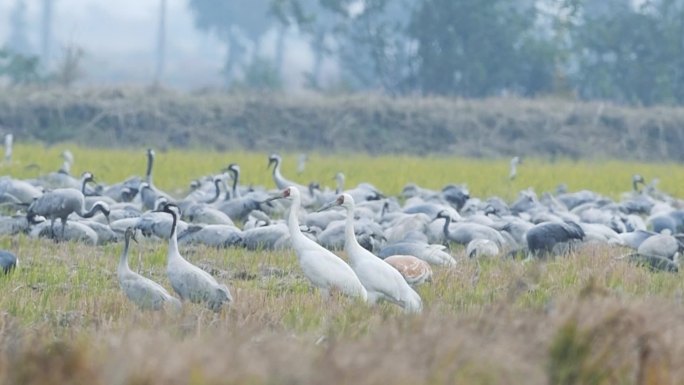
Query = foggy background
x=119 y=40
x=626 y=51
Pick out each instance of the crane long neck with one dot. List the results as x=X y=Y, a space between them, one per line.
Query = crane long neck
x=123 y=261
x=350 y=243
x=278 y=177
x=90 y=213
x=84 y=183
x=227 y=196
x=148 y=173
x=447 y=222
x=217 y=192
x=293 y=219
x=173 y=238
x=236 y=178
x=340 y=185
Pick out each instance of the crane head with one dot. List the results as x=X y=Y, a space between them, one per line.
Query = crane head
x=274 y=159
x=88 y=176
x=344 y=200
x=130 y=234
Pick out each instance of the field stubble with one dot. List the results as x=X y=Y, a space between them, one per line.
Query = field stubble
x=586 y=318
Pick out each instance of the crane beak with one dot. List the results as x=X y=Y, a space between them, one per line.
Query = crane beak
x=327 y=206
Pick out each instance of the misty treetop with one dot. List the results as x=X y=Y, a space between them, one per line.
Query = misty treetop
x=622 y=50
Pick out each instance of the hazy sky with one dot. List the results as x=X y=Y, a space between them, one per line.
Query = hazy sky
x=119 y=38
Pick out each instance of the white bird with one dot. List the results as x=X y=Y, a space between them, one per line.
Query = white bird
x=514 y=168
x=8 y=148
x=325 y=270
x=61 y=202
x=189 y=281
x=301 y=163
x=381 y=280
x=144 y=292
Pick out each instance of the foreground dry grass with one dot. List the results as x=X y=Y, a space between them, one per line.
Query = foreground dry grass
x=587 y=318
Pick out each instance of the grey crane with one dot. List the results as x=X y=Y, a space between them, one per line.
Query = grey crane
x=19 y=190
x=661 y=245
x=212 y=235
x=234 y=171
x=61 y=202
x=142 y=291
x=542 y=238
x=280 y=181
x=8 y=261
x=189 y=281
x=464 y=232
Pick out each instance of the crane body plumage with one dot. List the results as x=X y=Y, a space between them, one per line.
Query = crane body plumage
x=142 y=291
x=325 y=270
x=381 y=280
x=189 y=281
x=60 y=203
x=8 y=261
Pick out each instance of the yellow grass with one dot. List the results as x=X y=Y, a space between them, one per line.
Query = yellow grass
x=585 y=318
x=174 y=170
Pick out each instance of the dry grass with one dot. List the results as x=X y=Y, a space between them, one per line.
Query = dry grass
x=587 y=318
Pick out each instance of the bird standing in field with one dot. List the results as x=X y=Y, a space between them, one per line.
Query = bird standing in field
x=301 y=163
x=61 y=202
x=144 y=292
x=189 y=281
x=8 y=261
x=382 y=281
x=8 y=148
x=514 y=168
x=325 y=270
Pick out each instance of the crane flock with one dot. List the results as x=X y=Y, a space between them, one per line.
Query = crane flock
x=390 y=243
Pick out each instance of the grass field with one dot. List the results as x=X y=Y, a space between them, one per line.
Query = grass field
x=176 y=169
x=584 y=319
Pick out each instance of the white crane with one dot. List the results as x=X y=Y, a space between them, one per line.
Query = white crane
x=189 y=281
x=8 y=148
x=61 y=202
x=144 y=292
x=301 y=162
x=515 y=161
x=325 y=270
x=382 y=281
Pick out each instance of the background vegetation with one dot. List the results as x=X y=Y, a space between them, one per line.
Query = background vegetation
x=620 y=50
x=360 y=123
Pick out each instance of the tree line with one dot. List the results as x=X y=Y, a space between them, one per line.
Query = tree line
x=625 y=51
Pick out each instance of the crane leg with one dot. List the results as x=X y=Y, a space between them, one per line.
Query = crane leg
x=63 y=227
